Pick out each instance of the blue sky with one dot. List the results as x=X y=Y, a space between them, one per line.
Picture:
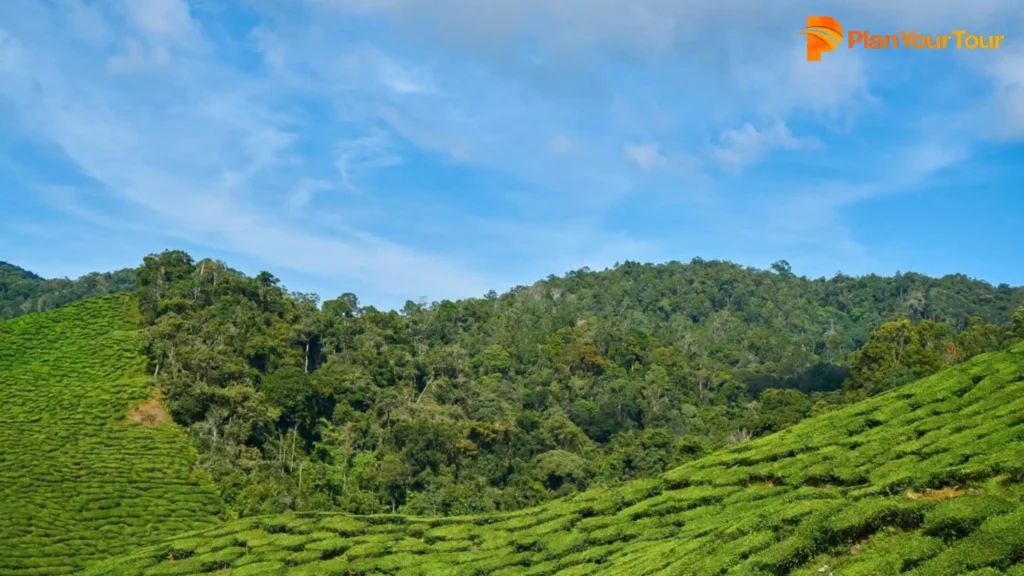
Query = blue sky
x=402 y=149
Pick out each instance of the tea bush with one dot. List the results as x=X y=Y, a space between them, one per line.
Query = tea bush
x=78 y=481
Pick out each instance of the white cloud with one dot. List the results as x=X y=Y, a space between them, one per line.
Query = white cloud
x=741 y=147
x=1006 y=70
x=195 y=153
x=684 y=166
x=436 y=135
x=273 y=50
x=402 y=80
x=786 y=82
x=363 y=155
x=161 y=27
x=925 y=159
x=647 y=156
x=370 y=64
x=303 y=192
x=165 y=21
x=217 y=154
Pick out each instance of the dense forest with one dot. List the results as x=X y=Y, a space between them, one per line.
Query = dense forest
x=925 y=481
x=22 y=292
x=504 y=401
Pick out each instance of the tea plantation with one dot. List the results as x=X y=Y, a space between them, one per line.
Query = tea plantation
x=924 y=480
x=80 y=481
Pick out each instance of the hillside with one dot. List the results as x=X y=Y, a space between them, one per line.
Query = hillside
x=923 y=480
x=23 y=292
x=83 y=476
x=503 y=402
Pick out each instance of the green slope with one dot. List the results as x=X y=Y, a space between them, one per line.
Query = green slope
x=77 y=481
x=924 y=480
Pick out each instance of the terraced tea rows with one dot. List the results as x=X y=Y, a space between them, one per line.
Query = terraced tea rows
x=924 y=480
x=77 y=481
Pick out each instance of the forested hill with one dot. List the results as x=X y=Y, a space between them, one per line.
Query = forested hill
x=22 y=292
x=504 y=401
x=752 y=318
x=926 y=480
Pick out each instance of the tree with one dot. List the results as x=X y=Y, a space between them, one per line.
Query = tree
x=979 y=337
x=896 y=353
x=393 y=477
x=1017 y=324
x=561 y=471
x=162 y=276
x=778 y=409
x=493 y=360
x=291 y=390
x=309 y=329
x=344 y=306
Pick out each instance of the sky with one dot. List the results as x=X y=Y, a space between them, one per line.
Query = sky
x=422 y=150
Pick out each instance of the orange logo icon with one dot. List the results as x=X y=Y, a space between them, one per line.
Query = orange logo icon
x=824 y=34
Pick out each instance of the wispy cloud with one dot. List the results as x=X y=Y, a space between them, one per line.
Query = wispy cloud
x=165 y=22
x=303 y=194
x=450 y=147
x=647 y=156
x=365 y=154
x=1006 y=71
x=739 y=148
x=193 y=155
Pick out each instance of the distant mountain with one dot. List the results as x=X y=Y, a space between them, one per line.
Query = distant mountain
x=22 y=291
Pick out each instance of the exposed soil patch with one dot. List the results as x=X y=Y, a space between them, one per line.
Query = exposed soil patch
x=941 y=494
x=149 y=413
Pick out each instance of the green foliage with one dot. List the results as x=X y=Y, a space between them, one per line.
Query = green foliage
x=79 y=481
x=1017 y=324
x=901 y=351
x=459 y=406
x=420 y=418
x=924 y=480
x=897 y=353
x=22 y=292
x=980 y=337
x=780 y=408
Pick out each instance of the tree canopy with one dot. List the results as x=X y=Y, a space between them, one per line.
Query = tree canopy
x=22 y=292
x=504 y=401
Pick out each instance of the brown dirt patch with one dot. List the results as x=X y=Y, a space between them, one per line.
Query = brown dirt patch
x=941 y=494
x=149 y=413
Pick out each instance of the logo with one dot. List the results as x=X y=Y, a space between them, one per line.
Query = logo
x=824 y=34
